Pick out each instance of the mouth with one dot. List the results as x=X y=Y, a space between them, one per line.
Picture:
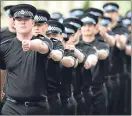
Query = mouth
x=23 y=27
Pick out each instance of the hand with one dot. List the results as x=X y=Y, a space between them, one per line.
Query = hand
x=26 y=45
x=128 y=50
x=103 y=30
x=2 y=95
x=87 y=65
x=117 y=37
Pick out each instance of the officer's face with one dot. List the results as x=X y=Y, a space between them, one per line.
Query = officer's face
x=24 y=26
x=88 y=29
x=40 y=29
x=113 y=15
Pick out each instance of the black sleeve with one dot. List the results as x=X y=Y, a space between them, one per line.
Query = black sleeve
x=49 y=44
x=69 y=53
x=129 y=40
x=103 y=45
x=123 y=31
x=2 y=65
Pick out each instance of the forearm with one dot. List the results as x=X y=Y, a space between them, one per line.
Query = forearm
x=121 y=42
x=67 y=61
x=79 y=55
x=39 y=46
x=91 y=61
x=128 y=50
x=103 y=54
x=56 y=55
x=109 y=39
x=3 y=78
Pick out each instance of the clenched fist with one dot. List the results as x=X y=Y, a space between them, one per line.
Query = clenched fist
x=26 y=45
x=87 y=65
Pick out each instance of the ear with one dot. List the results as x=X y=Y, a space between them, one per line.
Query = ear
x=14 y=24
x=97 y=26
x=33 y=22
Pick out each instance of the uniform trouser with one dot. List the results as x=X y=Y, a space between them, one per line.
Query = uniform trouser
x=11 y=108
x=87 y=94
x=124 y=96
x=69 y=106
x=55 y=104
x=99 y=100
x=81 y=105
x=113 y=88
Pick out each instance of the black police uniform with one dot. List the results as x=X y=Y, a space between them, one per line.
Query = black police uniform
x=97 y=88
x=26 y=81
x=116 y=70
x=23 y=83
x=53 y=70
x=67 y=75
x=127 y=89
x=53 y=76
x=83 y=81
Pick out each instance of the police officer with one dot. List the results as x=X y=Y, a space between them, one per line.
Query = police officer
x=25 y=58
x=95 y=87
x=116 y=56
x=66 y=93
x=77 y=80
x=54 y=32
x=127 y=61
x=127 y=66
x=41 y=22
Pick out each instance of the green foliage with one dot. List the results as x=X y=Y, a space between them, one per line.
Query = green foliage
x=86 y=4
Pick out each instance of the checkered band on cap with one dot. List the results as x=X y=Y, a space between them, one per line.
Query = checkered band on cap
x=53 y=28
x=88 y=19
x=95 y=13
x=68 y=30
x=110 y=7
x=38 y=18
x=75 y=24
x=23 y=12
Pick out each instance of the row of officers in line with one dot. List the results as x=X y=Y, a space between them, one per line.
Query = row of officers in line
x=79 y=65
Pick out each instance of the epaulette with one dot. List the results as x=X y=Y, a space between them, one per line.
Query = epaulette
x=6 y=41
